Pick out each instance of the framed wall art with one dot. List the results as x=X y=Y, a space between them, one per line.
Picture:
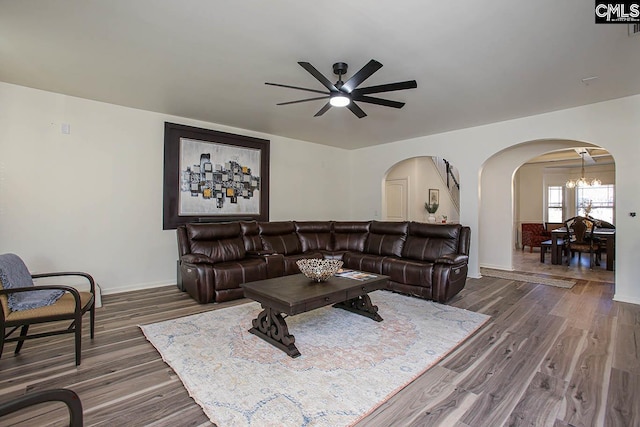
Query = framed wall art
x=434 y=196
x=212 y=176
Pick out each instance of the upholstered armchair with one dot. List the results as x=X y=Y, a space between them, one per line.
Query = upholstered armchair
x=22 y=304
x=533 y=234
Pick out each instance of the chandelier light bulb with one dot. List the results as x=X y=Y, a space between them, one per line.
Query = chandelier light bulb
x=582 y=182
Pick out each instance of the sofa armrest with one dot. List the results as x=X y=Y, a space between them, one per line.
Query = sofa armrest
x=449 y=276
x=197 y=278
x=274 y=261
x=196 y=259
x=452 y=259
x=448 y=280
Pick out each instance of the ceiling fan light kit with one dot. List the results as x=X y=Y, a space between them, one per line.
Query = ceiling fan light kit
x=339 y=101
x=344 y=94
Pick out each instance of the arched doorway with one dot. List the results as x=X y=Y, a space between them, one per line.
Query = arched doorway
x=502 y=198
x=411 y=183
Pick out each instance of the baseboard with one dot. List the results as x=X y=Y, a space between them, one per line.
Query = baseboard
x=136 y=287
x=627 y=299
x=497 y=267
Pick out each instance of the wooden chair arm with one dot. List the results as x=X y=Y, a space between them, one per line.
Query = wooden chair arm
x=69 y=273
x=66 y=396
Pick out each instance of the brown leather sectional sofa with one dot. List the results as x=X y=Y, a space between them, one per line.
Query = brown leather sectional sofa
x=424 y=260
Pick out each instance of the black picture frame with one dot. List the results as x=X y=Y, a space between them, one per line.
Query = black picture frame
x=174 y=134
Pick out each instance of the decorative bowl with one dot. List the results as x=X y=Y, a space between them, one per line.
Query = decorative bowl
x=319 y=270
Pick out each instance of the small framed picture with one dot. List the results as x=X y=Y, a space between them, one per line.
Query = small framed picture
x=434 y=196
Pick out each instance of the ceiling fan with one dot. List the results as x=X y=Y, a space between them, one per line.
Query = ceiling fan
x=344 y=94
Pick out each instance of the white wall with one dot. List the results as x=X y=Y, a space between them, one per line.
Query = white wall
x=92 y=200
x=487 y=200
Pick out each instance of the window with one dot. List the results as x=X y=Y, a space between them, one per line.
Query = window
x=601 y=198
x=554 y=204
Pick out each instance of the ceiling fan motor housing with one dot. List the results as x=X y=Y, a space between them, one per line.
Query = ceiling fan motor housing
x=340 y=68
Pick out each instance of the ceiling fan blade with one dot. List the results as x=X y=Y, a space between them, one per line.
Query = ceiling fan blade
x=409 y=84
x=296 y=87
x=356 y=110
x=323 y=110
x=315 y=73
x=303 y=100
x=364 y=73
x=378 y=101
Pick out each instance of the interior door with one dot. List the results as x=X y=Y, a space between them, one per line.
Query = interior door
x=396 y=200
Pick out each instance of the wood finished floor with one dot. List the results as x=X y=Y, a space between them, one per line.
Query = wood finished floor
x=548 y=357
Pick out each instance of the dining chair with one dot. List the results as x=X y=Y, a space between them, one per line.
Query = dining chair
x=579 y=238
x=599 y=223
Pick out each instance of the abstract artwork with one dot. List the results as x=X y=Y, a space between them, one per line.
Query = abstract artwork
x=218 y=178
x=213 y=176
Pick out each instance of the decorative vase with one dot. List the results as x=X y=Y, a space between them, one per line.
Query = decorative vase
x=432 y=218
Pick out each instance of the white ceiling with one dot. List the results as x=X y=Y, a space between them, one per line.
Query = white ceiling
x=475 y=62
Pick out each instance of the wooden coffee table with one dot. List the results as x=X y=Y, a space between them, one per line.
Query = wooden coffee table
x=291 y=295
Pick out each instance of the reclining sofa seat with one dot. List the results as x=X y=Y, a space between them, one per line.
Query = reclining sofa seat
x=349 y=236
x=216 y=262
x=316 y=237
x=281 y=238
x=424 y=260
x=434 y=261
x=385 y=239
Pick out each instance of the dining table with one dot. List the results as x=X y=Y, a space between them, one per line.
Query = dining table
x=607 y=234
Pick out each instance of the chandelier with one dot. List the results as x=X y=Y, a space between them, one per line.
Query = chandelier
x=583 y=182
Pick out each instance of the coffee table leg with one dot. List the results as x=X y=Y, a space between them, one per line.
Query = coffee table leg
x=271 y=327
x=361 y=305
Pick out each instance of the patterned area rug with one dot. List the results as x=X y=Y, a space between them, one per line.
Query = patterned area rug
x=349 y=365
x=530 y=278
